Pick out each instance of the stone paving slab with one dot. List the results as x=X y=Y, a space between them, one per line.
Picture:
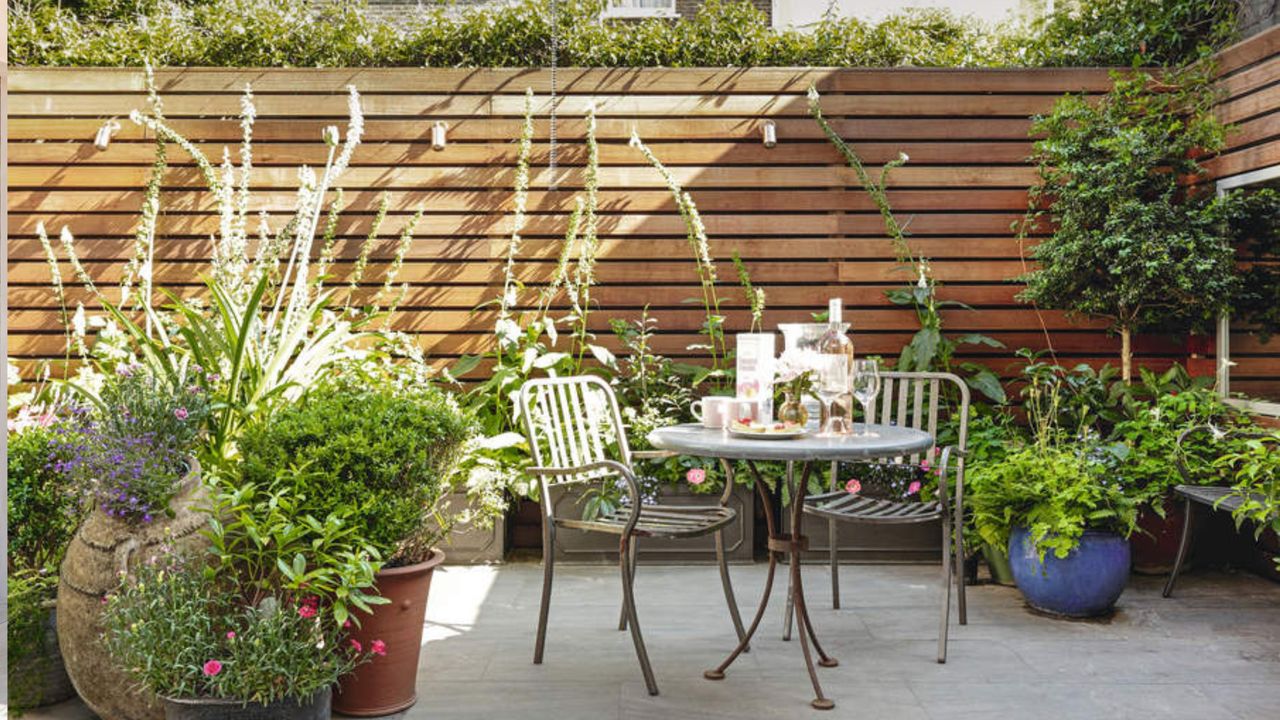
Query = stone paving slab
x=1212 y=652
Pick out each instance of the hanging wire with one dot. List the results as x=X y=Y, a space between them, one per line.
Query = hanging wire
x=555 y=53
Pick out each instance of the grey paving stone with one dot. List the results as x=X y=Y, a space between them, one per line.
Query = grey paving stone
x=1212 y=651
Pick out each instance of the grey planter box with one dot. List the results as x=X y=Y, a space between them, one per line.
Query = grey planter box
x=577 y=546
x=915 y=543
x=468 y=545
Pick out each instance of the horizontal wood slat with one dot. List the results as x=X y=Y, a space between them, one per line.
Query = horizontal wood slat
x=796 y=214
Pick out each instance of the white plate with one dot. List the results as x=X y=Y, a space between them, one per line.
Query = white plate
x=774 y=435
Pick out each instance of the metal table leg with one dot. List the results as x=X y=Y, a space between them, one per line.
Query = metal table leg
x=794 y=546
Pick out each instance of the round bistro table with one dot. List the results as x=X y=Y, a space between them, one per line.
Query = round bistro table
x=886 y=441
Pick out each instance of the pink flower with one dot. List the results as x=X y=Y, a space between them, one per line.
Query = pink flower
x=211 y=668
x=924 y=465
x=696 y=476
x=311 y=601
x=853 y=487
x=307 y=611
x=913 y=488
x=355 y=644
x=231 y=634
x=180 y=413
x=346 y=624
x=378 y=647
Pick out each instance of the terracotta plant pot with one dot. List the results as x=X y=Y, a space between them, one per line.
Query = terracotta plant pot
x=313 y=708
x=1155 y=544
x=388 y=684
x=101 y=549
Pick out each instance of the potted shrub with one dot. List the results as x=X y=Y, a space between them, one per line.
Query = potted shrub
x=1058 y=509
x=43 y=514
x=382 y=456
x=131 y=455
x=1149 y=467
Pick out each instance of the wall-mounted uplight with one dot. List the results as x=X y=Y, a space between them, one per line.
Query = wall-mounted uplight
x=439 y=135
x=102 y=140
x=769 y=133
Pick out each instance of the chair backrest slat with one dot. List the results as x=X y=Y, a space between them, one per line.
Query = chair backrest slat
x=916 y=400
x=572 y=422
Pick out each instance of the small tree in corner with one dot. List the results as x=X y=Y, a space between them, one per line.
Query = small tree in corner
x=1139 y=238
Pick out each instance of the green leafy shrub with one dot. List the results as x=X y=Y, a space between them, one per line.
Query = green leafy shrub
x=380 y=458
x=263 y=544
x=1055 y=492
x=1254 y=469
x=1129 y=32
x=1148 y=467
x=179 y=635
x=723 y=33
x=43 y=508
x=1131 y=244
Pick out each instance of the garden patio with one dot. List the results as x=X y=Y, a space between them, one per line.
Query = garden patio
x=520 y=359
x=1211 y=652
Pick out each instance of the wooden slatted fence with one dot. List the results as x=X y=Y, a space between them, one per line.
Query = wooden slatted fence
x=794 y=212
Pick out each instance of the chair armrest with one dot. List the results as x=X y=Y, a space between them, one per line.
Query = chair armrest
x=633 y=489
x=944 y=466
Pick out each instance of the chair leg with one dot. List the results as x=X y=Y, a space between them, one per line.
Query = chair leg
x=729 y=597
x=833 y=539
x=945 y=619
x=629 y=605
x=548 y=569
x=958 y=567
x=1183 y=543
x=631 y=559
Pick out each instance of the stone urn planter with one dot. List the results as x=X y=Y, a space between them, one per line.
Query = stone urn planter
x=1086 y=583
x=317 y=707
x=387 y=684
x=102 y=548
x=40 y=678
x=584 y=547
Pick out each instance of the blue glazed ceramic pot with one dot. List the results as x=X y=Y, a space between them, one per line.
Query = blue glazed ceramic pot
x=1085 y=583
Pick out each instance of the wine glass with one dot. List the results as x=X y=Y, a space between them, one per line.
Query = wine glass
x=866 y=386
x=832 y=381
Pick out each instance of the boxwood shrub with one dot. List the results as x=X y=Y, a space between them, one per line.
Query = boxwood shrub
x=378 y=456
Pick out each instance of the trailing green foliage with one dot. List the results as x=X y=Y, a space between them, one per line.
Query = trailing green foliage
x=43 y=510
x=1132 y=243
x=271 y=33
x=381 y=459
x=1254 y=471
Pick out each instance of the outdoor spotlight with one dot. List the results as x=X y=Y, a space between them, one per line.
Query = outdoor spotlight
x=770 y=132
x=102 y=140
x=439 y=135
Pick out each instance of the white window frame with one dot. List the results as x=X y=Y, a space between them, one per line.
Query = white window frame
x=1223 y=350
x=624 y=10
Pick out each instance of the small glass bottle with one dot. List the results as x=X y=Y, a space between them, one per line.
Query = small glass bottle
x=836 y=351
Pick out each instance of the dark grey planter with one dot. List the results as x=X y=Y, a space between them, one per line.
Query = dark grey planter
x=41 y=679
x=316 y=708
x=585 y=547
x=470 y=545
x=915 y=543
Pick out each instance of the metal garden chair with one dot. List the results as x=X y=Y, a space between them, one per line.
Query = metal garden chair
x=576 y=435
x=908 y=399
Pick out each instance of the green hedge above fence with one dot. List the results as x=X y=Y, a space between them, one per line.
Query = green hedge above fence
x=725 y=33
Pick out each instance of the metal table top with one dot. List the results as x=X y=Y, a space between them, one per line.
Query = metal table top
x=694 y=439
